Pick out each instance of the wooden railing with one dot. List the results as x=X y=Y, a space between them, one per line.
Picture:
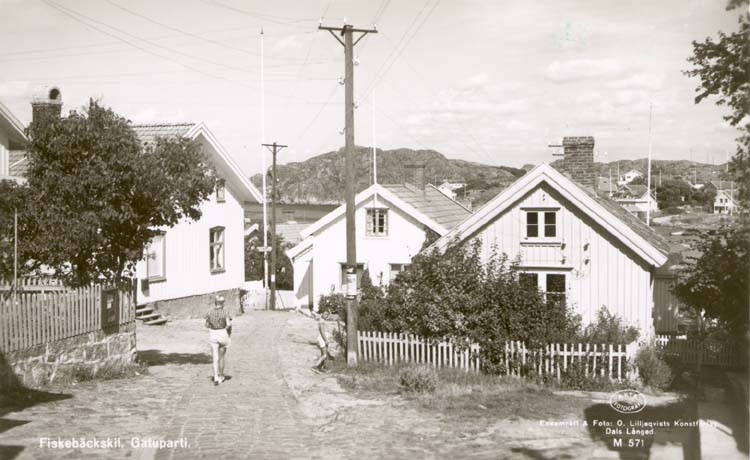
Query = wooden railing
x=28 y=319
x=554 y=360
x=711 y=352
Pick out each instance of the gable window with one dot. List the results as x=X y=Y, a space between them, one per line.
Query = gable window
x=541 y=224
x=156 y=259
x=377 y=222
x=529 y=281
x=216 y=247
x=221 y=191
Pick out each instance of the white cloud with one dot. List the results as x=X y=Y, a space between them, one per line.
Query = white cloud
x=641 y=81
x=153 y=115
x=579 y=69
x=15 y=89
x=477 y=80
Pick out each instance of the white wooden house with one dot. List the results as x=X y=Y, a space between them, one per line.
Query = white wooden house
x=725 y=201
x=572 y=243
x=392 y=223
x=629 y=177
x=189 y=263
x=636 y=199
x=12 y=139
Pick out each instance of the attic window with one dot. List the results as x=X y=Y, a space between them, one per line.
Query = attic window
x=541 y=224
x=377 y=222
x=221 y=191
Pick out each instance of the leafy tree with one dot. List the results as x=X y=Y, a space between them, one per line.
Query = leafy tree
x=254 y=262
x=723 y=66
x=98 y=196
x=672 y=193
x=717 y=286
x=14 y=202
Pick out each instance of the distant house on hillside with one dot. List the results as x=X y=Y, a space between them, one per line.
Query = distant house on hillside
x=636 y=199
x=629 y=177
x=725 y=201
x=450 y=188
x=13 y=161
x=392 y=224
x=186 y=265
x=572 y=243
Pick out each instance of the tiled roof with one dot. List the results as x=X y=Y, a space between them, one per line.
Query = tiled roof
x=432 y=203
x=635 y=224
x=149 y=132
x=291 y=232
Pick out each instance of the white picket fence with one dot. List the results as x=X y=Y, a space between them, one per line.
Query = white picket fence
x=688 y=351
x=553 y=360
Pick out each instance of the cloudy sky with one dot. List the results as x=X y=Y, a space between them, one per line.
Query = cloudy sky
x=487 y=81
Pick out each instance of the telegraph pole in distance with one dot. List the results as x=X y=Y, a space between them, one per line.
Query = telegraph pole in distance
x=274 y=148
x=347 y=31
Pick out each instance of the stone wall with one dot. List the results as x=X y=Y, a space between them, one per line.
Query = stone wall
x=196 y=306
x=63 y=359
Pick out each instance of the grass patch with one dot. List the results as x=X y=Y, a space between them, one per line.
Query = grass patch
x=107 y=371
x=465 y=396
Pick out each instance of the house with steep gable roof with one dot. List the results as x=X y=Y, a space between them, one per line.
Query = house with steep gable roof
x=186 y=265
x=392 y=223
x=13 y=161
x=571 y=242
x=636 y=199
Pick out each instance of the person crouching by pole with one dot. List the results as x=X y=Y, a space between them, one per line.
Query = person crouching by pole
x=219 y=326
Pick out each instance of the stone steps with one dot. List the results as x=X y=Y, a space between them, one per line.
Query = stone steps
x=149 y=316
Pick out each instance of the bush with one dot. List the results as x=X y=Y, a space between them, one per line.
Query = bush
x=652 y=367
x=333 y=303
x=609 y=328
x=419 y=379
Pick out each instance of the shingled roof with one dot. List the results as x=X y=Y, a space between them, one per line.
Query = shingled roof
x=147 y=133
x=432 y=203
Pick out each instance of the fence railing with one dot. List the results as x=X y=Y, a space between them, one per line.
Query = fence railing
x=554 y=360
x=33 y=283
x=391 y=348
x=711 y=352
x=28 y=319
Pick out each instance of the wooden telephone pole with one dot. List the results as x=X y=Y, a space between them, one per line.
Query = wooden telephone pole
x=347 y=31
x=274 y=148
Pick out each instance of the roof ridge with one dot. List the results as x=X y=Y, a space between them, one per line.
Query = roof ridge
x=160 y=125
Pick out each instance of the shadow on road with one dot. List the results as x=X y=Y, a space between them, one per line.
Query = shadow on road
x=14 y=397
x=158 y=358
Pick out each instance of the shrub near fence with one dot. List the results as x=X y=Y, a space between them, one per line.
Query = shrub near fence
x=553 y=361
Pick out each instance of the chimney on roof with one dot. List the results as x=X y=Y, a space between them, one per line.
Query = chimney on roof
x=46 y=107
x=415 y=175
x=578 y=159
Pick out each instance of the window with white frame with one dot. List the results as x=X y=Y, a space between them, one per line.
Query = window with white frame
x=541 y=224
x=156 y=269
x=377 y=222
x=552 y=285
x=221 y=191
x=395 y=270
x=216 y=246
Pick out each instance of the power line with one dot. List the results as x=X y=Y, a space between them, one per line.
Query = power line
x=281 y=20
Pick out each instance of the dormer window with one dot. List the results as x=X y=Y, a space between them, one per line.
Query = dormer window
x=221 y=191
x=377 y=222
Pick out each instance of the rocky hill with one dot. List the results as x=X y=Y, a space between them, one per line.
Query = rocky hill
x=321 y=179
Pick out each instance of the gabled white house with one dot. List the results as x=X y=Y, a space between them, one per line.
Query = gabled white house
x=629 y=177
x=391 y=222
x=725 y=201
x=12 y=140
x=636 y=199
x=572 y=243
x=189 y=263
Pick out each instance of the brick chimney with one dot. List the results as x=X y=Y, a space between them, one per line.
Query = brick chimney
x=46 y=107
x=415 y=175
x=578 y=159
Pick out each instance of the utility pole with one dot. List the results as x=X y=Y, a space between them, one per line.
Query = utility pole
x=347 y=31
x=648 y=174
x=263 y=161
x=274 y=148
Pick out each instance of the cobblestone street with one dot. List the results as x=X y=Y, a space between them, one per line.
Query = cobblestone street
x=273 y=407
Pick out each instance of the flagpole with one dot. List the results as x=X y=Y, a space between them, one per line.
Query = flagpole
x=648 y=179
x=263 y=165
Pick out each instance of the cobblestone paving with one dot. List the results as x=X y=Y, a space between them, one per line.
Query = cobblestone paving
x=273 y=407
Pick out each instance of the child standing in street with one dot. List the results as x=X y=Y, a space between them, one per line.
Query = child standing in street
x=324 y=335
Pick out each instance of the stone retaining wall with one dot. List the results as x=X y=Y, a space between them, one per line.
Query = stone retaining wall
x=196 y=306
x=86 y=354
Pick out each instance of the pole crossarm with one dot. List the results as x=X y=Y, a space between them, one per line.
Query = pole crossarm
x=344 y=29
